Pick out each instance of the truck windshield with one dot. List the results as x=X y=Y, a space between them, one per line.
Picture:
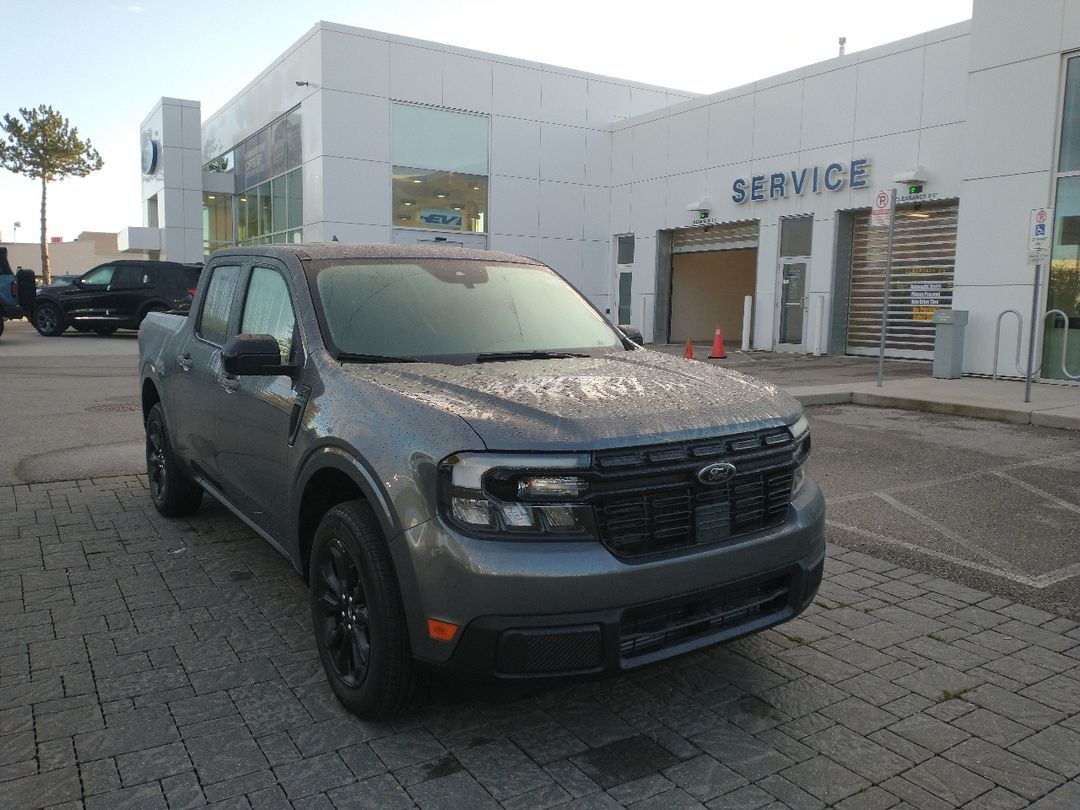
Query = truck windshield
x=453 y=310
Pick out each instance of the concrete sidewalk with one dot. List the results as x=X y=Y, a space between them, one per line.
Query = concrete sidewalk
x=829 y=380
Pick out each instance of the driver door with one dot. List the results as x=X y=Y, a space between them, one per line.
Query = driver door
x=256 y=457
x=87 y=298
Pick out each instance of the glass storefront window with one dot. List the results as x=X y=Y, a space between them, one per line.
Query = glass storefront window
x=293 y=152
x=1061 y=332
x=446 y=201
x=439 y=139
x=265 y=202
x=279 y=212
x=440 y=169
x=1061 y=341
x=269 y=205
x=295 y=196
x=222 y=164
x=217 y=221
x=1069 y=160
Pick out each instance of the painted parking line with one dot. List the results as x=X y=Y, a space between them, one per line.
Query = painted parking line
x=1040 y=581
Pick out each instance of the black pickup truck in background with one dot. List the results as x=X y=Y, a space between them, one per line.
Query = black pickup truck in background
x=473 y=469
x=116 y=295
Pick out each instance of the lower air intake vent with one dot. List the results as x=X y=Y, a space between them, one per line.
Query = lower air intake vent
x=649 y=628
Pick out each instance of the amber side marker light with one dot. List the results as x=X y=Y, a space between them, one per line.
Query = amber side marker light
x=441 y=631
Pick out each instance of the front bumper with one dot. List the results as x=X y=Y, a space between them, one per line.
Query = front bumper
x=548 y=610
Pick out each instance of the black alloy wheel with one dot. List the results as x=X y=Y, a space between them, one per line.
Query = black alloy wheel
x=357 y=614
x=171 y=491
x=48 y=320
x=346 y=622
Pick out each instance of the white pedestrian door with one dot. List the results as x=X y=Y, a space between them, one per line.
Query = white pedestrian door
x=796 y=235
x=792 y=302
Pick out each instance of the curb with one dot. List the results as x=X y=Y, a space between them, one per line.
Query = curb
x=1016 y=416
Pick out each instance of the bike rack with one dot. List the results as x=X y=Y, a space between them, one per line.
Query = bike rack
x=1064 y=342
x=1019 y=333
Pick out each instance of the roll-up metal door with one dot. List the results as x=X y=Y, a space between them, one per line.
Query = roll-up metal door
x=729 y=236
x=924 y=260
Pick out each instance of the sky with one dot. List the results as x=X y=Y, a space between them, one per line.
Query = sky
x=104 y=65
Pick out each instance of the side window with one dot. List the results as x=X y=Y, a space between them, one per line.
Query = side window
x=99 y=275
x=268 y=309
x=214 y=319
x=127 y=276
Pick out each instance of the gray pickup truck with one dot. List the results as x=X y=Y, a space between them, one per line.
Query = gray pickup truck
x=473 y=470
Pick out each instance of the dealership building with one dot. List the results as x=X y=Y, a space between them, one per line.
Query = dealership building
x=669 y=209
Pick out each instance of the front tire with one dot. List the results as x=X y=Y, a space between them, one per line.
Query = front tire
x=173 y=493
x=357 y=614
x=48 y=320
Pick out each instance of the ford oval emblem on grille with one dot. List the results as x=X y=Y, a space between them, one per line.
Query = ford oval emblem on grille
x=716 y=473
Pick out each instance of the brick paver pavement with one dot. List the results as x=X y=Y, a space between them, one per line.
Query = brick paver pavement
x=148 y=663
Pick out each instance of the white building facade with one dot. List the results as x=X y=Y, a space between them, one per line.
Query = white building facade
x=669 y=209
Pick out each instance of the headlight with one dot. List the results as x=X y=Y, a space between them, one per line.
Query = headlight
x=800 y=432
x=540 y=495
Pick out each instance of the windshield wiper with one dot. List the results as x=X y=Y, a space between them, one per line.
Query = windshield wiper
x=494 y=357
x=349 y=357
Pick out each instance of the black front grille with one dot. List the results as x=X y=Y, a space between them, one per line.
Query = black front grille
x=649 y=501
x=650 y=628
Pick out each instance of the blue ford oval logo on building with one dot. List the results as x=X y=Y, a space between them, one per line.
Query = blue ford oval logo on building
x=716 y=473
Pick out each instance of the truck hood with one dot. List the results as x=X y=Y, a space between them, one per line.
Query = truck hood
x=592 y=402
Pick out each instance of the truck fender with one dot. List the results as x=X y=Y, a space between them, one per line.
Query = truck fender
x=341 y=459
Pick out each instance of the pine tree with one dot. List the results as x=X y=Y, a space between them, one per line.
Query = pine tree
x=44 y=146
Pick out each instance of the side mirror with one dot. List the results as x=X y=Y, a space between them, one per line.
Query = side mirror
x=632 y=333
x=253 y=356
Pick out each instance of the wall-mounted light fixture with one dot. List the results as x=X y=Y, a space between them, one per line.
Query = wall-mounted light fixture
x=700 y=207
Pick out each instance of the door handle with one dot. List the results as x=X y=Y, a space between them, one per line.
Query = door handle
x=184 y=361
x=229 y=383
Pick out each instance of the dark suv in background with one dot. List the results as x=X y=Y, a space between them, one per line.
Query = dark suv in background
x=112 y=296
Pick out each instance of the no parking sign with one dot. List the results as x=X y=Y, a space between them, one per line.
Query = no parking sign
x=881 y=213
x=1039 y=234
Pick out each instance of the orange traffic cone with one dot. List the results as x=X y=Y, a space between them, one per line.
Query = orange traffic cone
x=688 y=350
x=717 y=346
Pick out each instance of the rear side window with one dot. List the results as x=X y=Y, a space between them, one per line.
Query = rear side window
x=127 y=276
x=171 y=275
x=214 y=319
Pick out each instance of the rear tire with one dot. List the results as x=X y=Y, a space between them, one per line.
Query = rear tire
x=48 y=319
x=173 y=493
x=357 y=613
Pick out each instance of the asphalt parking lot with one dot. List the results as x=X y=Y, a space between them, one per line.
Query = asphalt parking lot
x=147 y=662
